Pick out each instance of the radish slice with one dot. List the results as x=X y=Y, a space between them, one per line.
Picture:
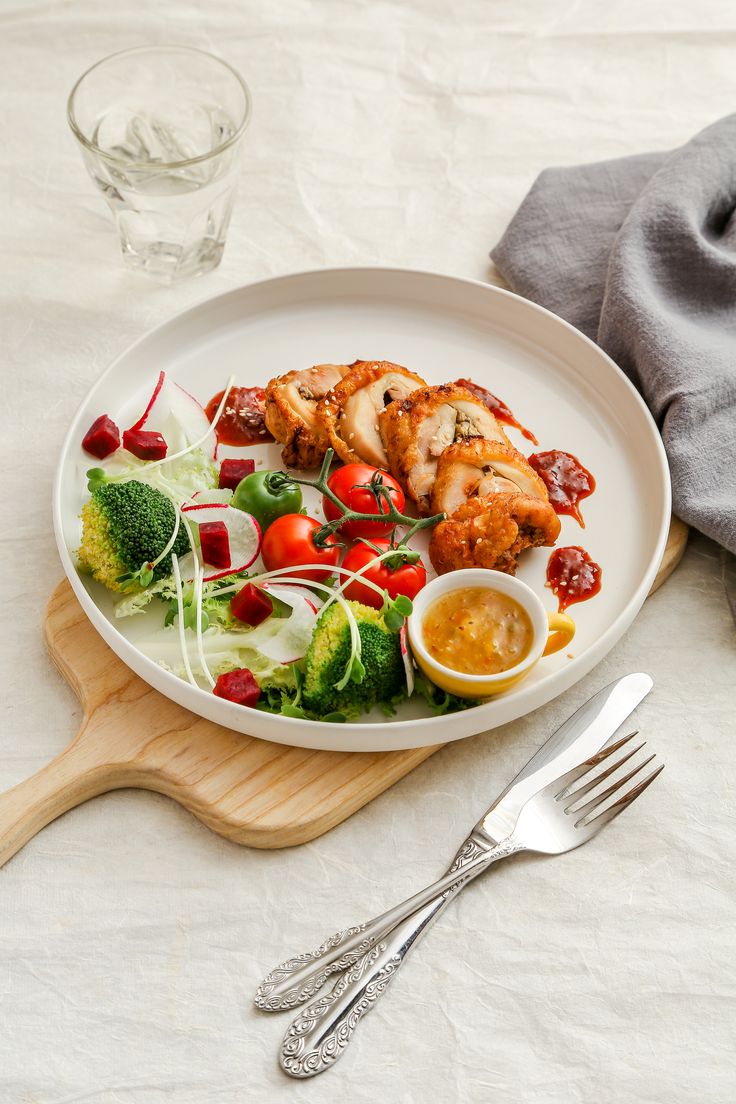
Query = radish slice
x=151 y=403
x=244 y=534
x=297 y=591
x=191 y=417
x=408 y=660
x=286 y=639
x=178 y=416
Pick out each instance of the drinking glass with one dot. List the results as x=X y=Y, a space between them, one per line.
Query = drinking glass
x=160 y=129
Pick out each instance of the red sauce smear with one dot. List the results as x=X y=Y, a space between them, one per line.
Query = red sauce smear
x=566 y=479
x=497 y=407
x=243 y=419
x=573 y=576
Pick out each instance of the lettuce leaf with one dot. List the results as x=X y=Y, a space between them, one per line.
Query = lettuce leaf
x=223 y=651
x=138 y=600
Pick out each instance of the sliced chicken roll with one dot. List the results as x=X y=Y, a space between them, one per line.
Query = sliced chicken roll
x=491 y=532
x=418 y=429
x=291 y=412
x=350 y=411
x=476 y=466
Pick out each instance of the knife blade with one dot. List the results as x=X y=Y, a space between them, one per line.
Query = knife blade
x=584 y=734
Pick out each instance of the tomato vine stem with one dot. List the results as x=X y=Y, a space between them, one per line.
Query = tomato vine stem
x=391 y=514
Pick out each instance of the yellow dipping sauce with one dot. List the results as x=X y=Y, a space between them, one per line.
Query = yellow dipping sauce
x=478 y=631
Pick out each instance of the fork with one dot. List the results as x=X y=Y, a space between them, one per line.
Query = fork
x=555 y=820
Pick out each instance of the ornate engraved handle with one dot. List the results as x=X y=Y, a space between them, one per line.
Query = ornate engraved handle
x=301 y=977
x=322 y=1031
x=296 y=980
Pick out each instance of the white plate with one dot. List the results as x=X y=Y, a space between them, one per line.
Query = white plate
x=555 y=380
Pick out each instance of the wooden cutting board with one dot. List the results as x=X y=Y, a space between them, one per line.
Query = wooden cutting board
x=251 y=791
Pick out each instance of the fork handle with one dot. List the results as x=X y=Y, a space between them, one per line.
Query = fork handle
x=321 y=1032
x=299 y=978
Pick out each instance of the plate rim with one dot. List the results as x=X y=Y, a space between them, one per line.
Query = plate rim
x=409 y=732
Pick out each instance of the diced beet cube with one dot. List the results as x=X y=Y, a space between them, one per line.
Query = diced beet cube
x=144 y=445
x=251 y=605
x=238 y=686
x=215 y=543
x=232 y=471
x=102 y=437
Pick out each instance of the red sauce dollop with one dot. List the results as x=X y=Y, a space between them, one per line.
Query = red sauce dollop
x=566 y=479
x=497 y=407
x=243 y=419
x=573 y=576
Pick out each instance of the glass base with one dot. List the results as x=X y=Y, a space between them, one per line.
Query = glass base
x=167 y=263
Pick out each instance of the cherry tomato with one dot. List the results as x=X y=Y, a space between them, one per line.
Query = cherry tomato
x=348 y=483
x=407 y=579
x=253 y=495
x=288 y=542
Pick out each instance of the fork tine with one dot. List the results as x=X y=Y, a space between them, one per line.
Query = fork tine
x=566 y=780
x=598 y=800
x=623 y=802
x=583 y=790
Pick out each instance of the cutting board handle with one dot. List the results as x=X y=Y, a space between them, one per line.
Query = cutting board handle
x=72 y=777
x=89 y=765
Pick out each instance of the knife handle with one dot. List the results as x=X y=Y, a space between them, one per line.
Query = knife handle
x=322 y=1031
x=299 y=978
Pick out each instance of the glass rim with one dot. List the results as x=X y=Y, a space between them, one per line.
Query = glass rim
x=88 y=144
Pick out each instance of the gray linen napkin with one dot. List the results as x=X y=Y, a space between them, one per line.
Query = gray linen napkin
x=640 y=254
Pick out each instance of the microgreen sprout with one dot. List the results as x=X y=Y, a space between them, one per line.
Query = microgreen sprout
x=199 y=626
x=95 y=478
x=180 y=607
x=395 y=611
x=292 y=707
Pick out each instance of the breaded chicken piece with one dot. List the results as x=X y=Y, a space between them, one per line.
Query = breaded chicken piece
x=417 y=430
x=475 y=466
x=491 y=532
x=350 y=411
x=291 y=413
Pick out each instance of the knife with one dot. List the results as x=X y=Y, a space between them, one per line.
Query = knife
x=355 y=949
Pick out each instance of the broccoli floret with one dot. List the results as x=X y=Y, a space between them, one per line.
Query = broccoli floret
x=126 y=525
x=329 y=653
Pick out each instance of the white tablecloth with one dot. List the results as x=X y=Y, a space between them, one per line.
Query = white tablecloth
x=131 y=938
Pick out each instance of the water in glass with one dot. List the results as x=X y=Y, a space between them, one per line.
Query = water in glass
x=164 y=154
